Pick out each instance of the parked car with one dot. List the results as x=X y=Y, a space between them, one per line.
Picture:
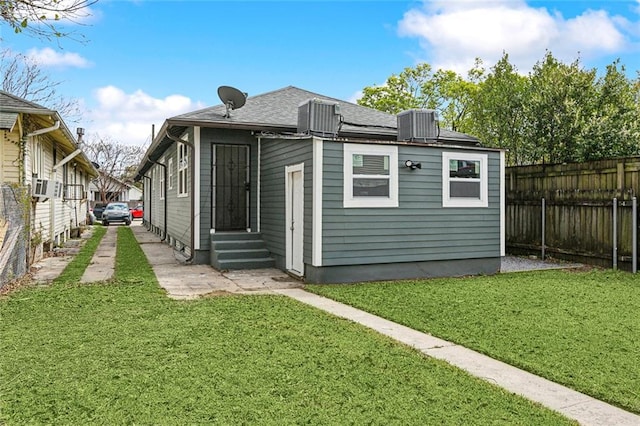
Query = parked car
x=97 y=210
x=137 y=212
x=116 y=212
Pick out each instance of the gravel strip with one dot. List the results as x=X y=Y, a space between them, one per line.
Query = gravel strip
x=518 y=264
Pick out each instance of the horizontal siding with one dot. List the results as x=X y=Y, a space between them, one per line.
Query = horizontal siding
x=276 y=155
x=9 y=171
x=420 y=229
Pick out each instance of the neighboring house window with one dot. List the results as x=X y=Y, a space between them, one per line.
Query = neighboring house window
x=464 y=180
x=183 y=164
x=161 y=181
x=370 y=175
x=170 y=173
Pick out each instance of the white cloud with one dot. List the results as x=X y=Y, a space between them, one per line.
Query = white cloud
x=454 y=33
x=127 y=117
x=48 y=57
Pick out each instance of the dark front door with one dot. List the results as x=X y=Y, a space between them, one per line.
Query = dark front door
x=230 y=187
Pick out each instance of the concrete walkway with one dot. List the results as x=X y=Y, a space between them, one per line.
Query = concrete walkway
x=103 y=263
x=183 y=281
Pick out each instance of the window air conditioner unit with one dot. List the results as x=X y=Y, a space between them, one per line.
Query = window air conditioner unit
x=42 y=188
x=319 y=117
x=58 y=189
x=45 y=188
x=418 y=124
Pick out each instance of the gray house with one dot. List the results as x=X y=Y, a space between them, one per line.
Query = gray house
x=324 y=189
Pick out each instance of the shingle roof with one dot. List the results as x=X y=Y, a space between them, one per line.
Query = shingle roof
x=7 y=120
x=9 y=102
x=279 y=110
x=11 y=106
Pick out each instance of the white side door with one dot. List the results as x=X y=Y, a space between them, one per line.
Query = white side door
x=294 y=222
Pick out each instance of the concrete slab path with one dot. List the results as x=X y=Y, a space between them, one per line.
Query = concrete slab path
x=188 y=281
x=103 y=262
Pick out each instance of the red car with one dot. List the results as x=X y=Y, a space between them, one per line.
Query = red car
x=137 y=212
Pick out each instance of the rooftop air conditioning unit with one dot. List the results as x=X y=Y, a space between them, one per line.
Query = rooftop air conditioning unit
x=319 y=117
x=418 y=124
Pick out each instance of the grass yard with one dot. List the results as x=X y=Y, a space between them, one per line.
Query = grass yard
x=581 y=329
x=122 y=352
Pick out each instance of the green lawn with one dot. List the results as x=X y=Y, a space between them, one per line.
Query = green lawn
x=581 y=329
x=122 y=352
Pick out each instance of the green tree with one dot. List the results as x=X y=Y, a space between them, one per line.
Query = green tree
x=557 y=109
x=412 y=88
x=614 y=126
x=497 y=111
x=420 y=87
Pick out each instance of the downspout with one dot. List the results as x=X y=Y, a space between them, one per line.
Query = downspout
x=164 y=172
x=193 y=190
x=258 y=221
x=147 y=206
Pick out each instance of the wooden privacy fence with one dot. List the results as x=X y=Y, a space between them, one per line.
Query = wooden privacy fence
x=583 y=212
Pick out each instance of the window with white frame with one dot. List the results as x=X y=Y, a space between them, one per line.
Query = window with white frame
x=161 y=180
x=370 y=175
x=183 y=164
x=170 y=173
x=464 y=180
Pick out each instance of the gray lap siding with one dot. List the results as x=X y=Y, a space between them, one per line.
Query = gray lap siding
x=420 y=229
x=276 y=155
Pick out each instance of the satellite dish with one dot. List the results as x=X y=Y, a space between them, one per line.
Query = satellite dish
x=232 y=98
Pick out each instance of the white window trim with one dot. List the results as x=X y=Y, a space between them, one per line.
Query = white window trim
x=183 y=168
x=161 y=180
x=447 y=200
x=367 y=149
x=170 y=173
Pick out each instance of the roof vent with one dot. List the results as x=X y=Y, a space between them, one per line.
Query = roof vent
x=319 y=117
x=418 y=124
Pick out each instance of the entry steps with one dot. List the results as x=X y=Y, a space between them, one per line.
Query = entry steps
x=239 y=250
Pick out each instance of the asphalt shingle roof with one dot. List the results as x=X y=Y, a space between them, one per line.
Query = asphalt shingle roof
x=9 y=102
x=279 y=110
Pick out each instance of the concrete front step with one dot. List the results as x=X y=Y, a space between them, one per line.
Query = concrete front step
x=239 y=250
x=235 y=236
x=238 y=244
x=246 y=263
x=258 y=253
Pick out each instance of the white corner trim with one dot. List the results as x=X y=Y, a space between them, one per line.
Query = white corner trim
x=503 y=201
x=316 y=248
x=196 y=186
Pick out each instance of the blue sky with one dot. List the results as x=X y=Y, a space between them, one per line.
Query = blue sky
x=145 y=61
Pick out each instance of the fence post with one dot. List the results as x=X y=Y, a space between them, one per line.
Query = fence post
x=634 y=235
x=543 y=224
x=615 y=234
